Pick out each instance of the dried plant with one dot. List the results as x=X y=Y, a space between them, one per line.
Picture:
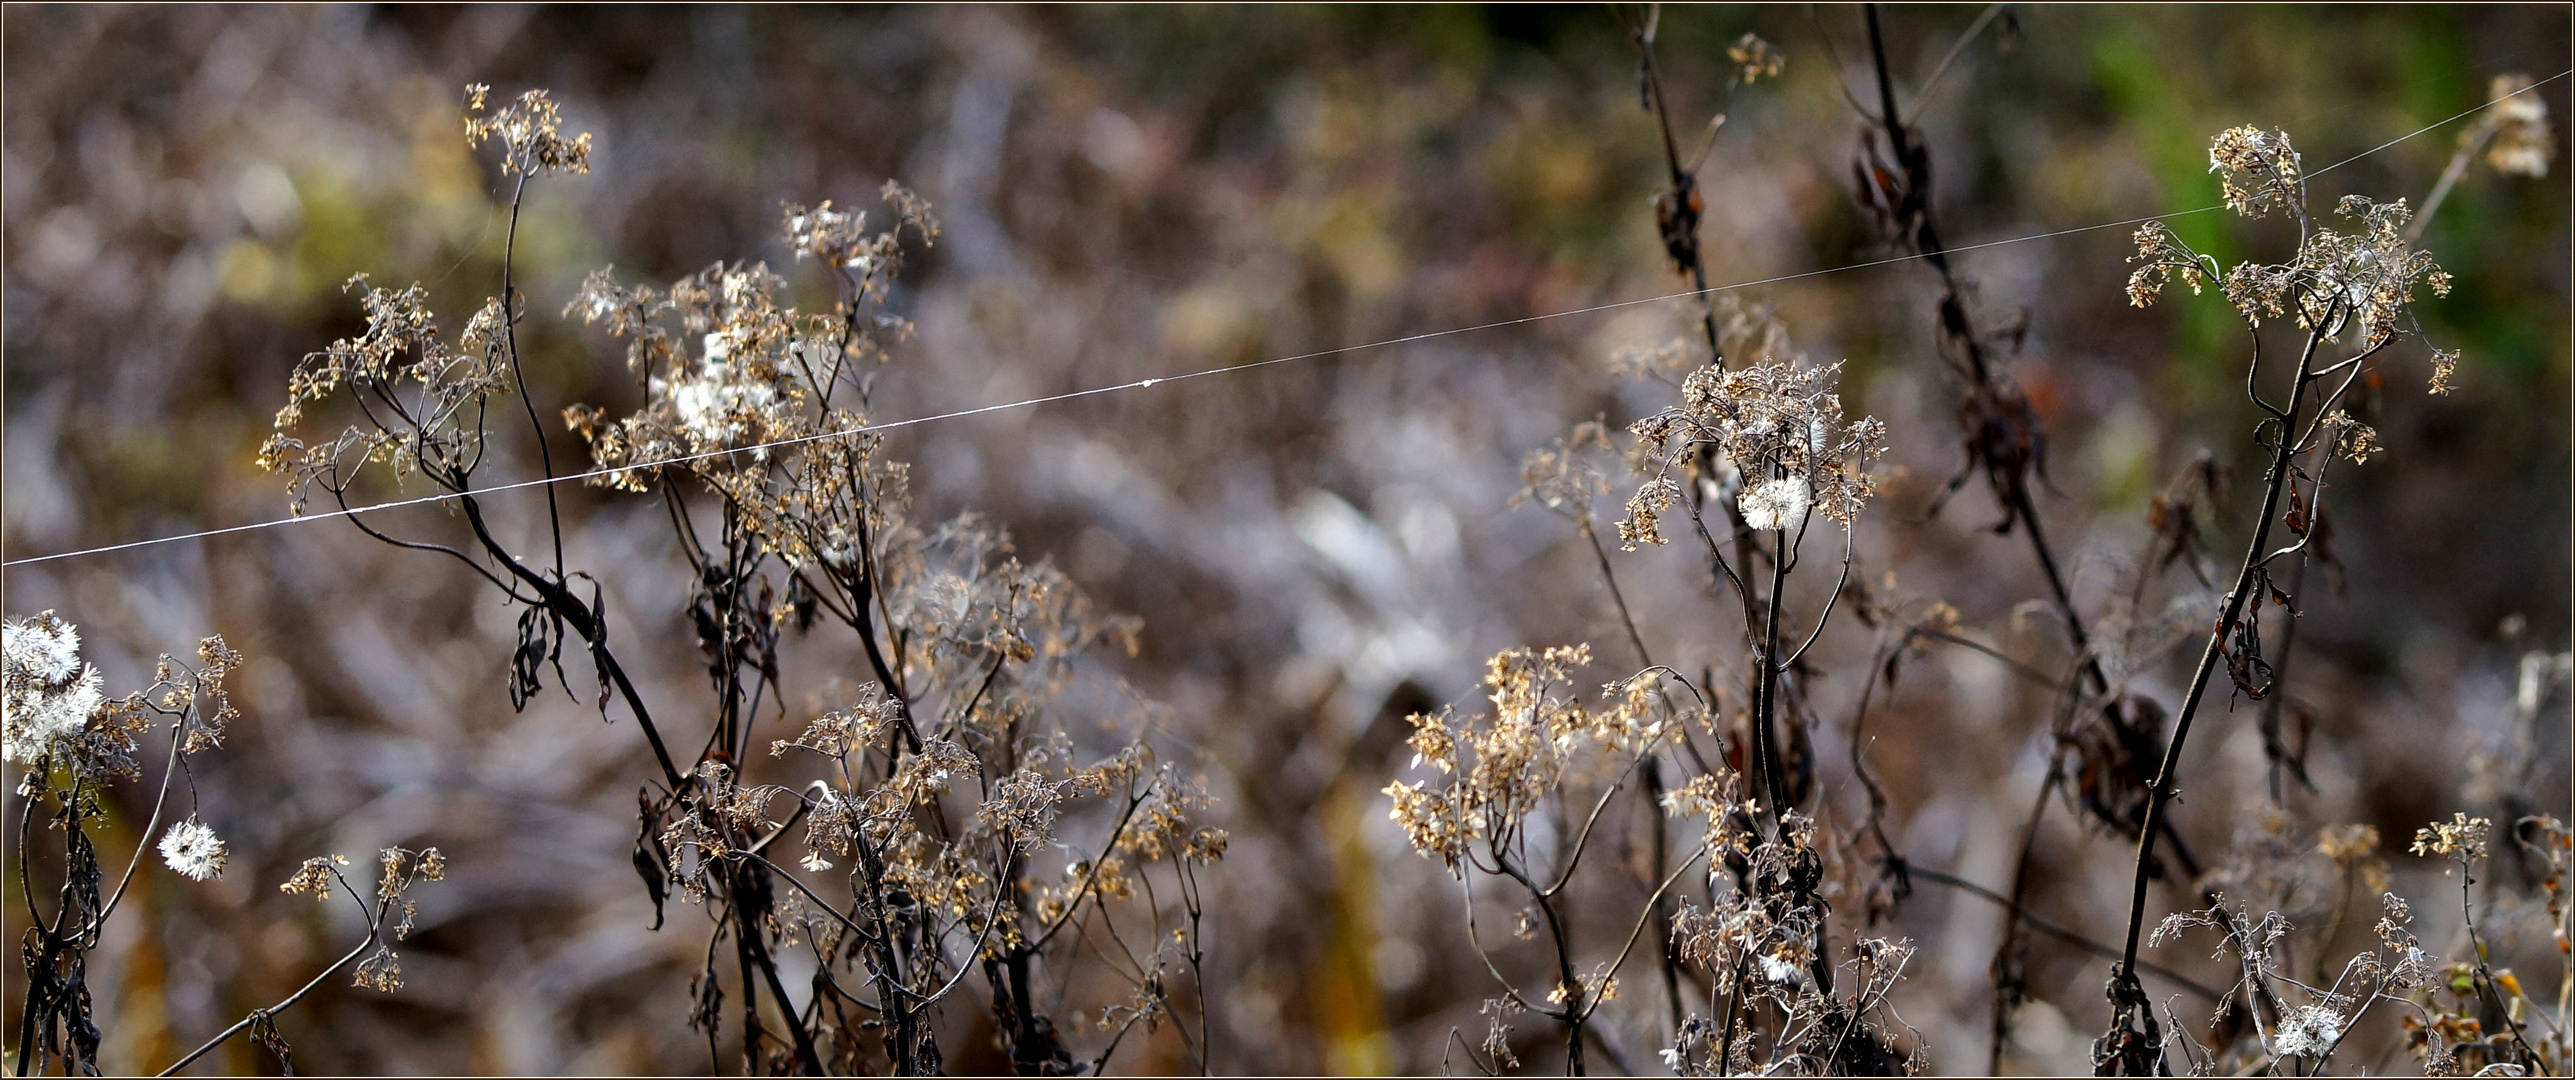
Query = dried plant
x=1768 y=443
x=2347 y=290
x=1517 y=795
x=930 y=800
x=72 y=744
x=910 y=819
x=2102 y=738
x=2456 y=1017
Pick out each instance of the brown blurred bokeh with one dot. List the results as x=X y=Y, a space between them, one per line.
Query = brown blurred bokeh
x=1315 y=548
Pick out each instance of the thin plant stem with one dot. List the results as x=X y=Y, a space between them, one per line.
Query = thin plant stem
x=2163 y=789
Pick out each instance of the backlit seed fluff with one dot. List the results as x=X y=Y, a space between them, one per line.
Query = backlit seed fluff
x=49 y=693
x=193 y=849
x=1776 y=504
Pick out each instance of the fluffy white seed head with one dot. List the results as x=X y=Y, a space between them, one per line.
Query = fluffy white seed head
x=49 y=693
x=193 y=849
x=1774 y=504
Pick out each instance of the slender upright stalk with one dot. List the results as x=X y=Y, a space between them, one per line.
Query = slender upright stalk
x=1682 y=222
x=1766 y=685
x=518 y=370
x=2164 y=789
x=2009 y=480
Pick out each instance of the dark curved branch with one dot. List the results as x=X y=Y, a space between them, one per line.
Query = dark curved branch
x=340 y=495
x=591 y=625
x=1829 y=602
x=375 y=932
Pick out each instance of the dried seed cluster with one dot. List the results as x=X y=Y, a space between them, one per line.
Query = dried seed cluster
x=1779 y=424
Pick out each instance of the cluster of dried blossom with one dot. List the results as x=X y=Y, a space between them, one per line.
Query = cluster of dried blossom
x=931 y=825
x=1780 y=440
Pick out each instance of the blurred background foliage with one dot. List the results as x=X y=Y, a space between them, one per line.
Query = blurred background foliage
x=1315 y=548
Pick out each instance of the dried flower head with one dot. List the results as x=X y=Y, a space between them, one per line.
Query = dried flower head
x=1643 y=523
x=2336 y=282
x=2165 y=257
x=2409 y=967
x=2258 y=170
x=2445 y=370
x=191 y=848
x=2355 y=848
x=1751 y=328
x=2364 y=278
x=1498 y=769
x=381 y=971
x=2462 y=838
x=532 y=131
x=1022 y=809
x=313 y=878
x=2523 y=144
x=839 y=238
x=1782 y=425
x=43 y=650
x=2357 y=441
x=1561 y=478
x=1755 y=59
x=727 y=363
x=433 y=425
